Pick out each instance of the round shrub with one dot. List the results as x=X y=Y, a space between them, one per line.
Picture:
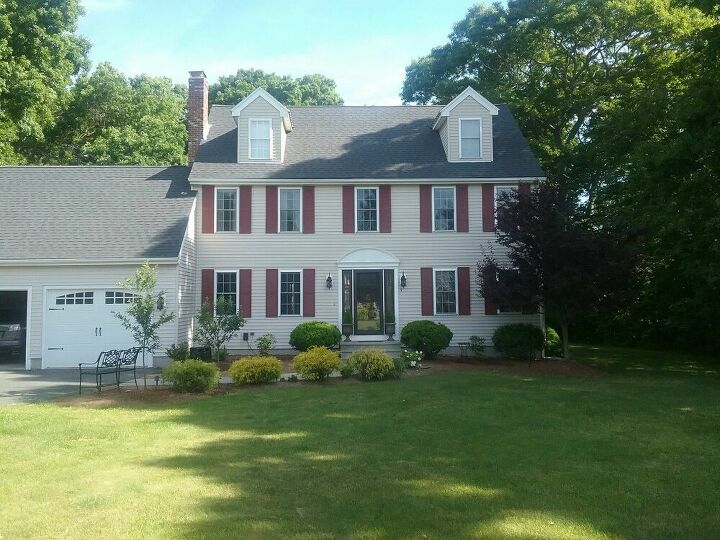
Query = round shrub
x=519 y=341
x=426 y=336
x=317 y=363
x=192 y=375
x=255 y=370
x=553 y=343
x=314 y=334
x=372 y=364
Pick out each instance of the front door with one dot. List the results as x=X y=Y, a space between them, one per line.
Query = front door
x=368 y=302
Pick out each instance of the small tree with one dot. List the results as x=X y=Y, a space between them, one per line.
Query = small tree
x=140 y=318
x=214 y=330
x=557 y=258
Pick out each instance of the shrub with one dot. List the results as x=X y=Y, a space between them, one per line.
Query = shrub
x=317 y=363
x=214 y=330
x=191 y=375
x=412 y=359
x=255 y=370
x=314 y=334
x=477 y=345
x=426 y=336
x=181 y=351
x=372 y=364
x=553 y=343
x=519 y=341
x=265 y=344
x=346 y=370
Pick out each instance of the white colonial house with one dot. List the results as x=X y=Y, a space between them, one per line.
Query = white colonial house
x=363 y=215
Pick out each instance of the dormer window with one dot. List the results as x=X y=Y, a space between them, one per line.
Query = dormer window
x=470 y=135
x=260 y=138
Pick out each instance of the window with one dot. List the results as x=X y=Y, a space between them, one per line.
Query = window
x=260 y=137
x=500 y=194
x=226 y=209
x=77 y=298
x=508 y=281
x=444 y=208
x=226 y=287
x=290 y=205
x=366 y=209
x=290 y=297
x=445 y=291
x=470 y=130
x=117 y=297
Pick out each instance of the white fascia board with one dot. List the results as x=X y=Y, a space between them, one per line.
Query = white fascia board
x=86 y=262
x=468 y=92
x=259 y=92
x=356 y=181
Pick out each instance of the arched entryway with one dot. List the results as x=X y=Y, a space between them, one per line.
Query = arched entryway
x=368 y=293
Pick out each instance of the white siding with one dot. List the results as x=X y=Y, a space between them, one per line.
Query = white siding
x=323 y=249
x=186 y=282
x=469 y=108
x=259 y=109
x=39 y=277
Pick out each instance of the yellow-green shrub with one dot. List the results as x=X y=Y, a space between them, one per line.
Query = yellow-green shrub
x=255 y=370
x=372 y=364
x=191 y=375
x=317 y=363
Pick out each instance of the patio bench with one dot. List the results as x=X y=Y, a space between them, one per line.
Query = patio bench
x=128 y=363
x=106 y=364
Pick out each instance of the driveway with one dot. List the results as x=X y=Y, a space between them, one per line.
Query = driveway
x=18 y=385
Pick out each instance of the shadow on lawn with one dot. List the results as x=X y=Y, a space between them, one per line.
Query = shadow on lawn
x=431 y=459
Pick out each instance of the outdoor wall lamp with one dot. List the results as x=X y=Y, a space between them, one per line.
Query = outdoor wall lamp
x=328 y=281
x=403 y=281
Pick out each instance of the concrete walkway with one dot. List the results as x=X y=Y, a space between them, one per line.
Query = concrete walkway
x=18 y=385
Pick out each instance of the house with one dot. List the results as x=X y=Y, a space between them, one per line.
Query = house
x=336 y=213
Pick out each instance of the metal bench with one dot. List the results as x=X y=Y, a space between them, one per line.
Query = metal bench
x=106 y=364
x=128 y=363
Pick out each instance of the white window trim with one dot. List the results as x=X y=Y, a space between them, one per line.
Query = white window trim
x=290 y=188
x=435 y=271
x=279 y=291
x=377 y=209
x=454 y=229
x=270 y=133
x=237 y=210
x=516 y=187
x=237 y=289
x=460 y=121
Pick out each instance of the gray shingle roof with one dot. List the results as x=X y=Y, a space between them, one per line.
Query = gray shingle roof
x=93 y=212
x=364 y=142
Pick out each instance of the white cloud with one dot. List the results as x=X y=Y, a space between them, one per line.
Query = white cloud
x=103 y=5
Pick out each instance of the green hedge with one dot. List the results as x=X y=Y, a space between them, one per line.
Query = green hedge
x=425 y=336
x=194 y=376
x=314 y=334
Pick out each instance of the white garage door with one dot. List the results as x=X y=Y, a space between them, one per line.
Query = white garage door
x=79 y=324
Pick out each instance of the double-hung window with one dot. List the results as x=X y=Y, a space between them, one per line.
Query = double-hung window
x=226 y=288
x=290 y=293
x=366 y=209
x=444 y=208
x=503 y=194
x=470 y=137
x=226 y=209
x=508 y=280
x=260 y=138
x=445 y=291
x=290 y=208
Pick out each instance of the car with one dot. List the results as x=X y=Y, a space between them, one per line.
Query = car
x=12 y=341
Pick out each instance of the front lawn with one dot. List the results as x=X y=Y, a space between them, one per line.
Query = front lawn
x=454 y=455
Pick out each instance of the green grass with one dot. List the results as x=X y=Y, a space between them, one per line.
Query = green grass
x=455 y=455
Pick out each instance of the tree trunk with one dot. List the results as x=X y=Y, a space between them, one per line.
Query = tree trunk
x=566 y=343
x=144 y=376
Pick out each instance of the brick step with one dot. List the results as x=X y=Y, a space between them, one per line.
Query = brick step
x=349 y=347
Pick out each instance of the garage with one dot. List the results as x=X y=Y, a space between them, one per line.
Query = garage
x=13 y=326
x=80 y=323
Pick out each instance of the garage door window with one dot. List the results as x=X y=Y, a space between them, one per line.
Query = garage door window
x=113 y=297
x=69 y=299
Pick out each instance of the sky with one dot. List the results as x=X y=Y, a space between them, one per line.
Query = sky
x=363 y=45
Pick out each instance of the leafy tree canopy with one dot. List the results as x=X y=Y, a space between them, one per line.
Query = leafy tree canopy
x=312 y=89
x=39 y=54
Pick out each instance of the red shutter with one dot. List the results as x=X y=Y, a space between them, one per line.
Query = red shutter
x=490 y=307
x=207 y=286
x=488 y=207
x=245 y=209
x=208 y=209
x=425 y=208
x=385 y=209
x=463 y=275
x=271 y=292
x=308 y=209
x=271 y=209
x=246 y=292
x=348 y=209
x=426 y=291
x=461 y=194
x=308 y=292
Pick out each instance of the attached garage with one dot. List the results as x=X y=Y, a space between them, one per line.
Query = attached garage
x=14 y=325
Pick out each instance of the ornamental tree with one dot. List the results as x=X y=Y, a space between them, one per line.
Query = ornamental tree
x=216 y=329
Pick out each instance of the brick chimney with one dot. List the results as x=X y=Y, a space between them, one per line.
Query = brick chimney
x=197 y=112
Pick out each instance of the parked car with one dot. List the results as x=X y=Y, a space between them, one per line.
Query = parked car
x=12 y=341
